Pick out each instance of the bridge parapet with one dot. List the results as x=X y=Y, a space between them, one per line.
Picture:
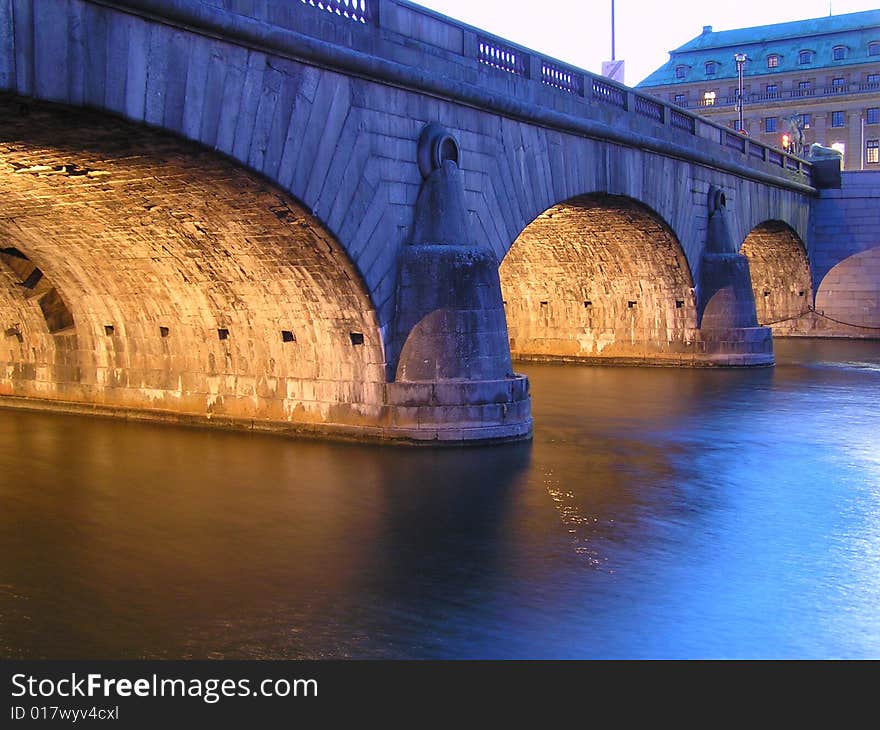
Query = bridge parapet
x=431 y=52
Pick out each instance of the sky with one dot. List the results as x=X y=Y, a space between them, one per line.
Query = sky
x=579 y=33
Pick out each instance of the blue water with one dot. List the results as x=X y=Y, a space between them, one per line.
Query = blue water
x=658 y=513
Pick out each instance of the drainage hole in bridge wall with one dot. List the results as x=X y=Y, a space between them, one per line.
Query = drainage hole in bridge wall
x=801 y=293
x=287 y=336
x=679 y=303
x=223 y=334
x=630 y=304
x=766 y=293
x=357 y=338
x=33 y=279
x=108 y=329
x=164 y=332
x=543 y=304
x=587 y=304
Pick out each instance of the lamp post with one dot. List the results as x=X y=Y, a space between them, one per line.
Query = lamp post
x=740 y=59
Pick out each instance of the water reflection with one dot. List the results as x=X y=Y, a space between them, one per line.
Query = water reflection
x=657 y=513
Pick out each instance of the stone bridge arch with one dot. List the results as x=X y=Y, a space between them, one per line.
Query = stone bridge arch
x=141 y=272
x=599 y=277
x=781 y=278
x=848 y=296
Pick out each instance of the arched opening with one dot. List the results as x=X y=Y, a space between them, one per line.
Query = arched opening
x=599 y=277
x=138 y=271
x=780 y=275
x=848 y=298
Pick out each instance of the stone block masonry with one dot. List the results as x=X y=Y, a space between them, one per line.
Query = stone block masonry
x=243 y=261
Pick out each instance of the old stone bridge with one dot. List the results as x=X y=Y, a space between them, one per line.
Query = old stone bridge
x=342 y=218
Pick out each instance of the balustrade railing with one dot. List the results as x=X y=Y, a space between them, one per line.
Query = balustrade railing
x=356 y=10
x=497 y=54
x=649 y=108
x=733 y=139
x=500 y=56
x=682 y=121
x=609 y=93
x=562 y=78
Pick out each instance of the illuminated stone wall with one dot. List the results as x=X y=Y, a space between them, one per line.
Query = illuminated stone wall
x=599 y=277
x=193 y=286
x=780 y=277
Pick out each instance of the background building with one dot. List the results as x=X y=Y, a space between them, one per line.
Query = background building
x=823 y=73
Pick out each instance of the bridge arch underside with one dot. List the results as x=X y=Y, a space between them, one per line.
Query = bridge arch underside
x=781 y=279
x=145 y=275
x=600 y=278
x=848 y=298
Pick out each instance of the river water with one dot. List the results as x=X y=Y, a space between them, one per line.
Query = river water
x=658 y=513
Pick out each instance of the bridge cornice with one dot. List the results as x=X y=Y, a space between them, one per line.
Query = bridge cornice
x=709 y=145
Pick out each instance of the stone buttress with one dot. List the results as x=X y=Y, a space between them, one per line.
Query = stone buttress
x=726 y=303
x=452 y=377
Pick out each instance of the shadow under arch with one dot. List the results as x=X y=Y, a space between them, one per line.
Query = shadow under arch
x=599 y=278
x=194 y=287
x=848 y=297
x=781 y=279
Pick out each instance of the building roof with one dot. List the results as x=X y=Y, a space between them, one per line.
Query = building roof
x=854 y=31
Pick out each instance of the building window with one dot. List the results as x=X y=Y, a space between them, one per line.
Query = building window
x=838 y=84
x=836 y=119
x=772 y=91
x=804 y=120
x=711 y=68
x=709 y=98
x=874 y=49
x=680 y=100
x=680 y=72
x=872 y=115
x=872 y=79
x=803 y=88
x=838 y=53
x=736 y=125
x=772 y=61
x=805 y=57
x=770 y=124
x=872 y=151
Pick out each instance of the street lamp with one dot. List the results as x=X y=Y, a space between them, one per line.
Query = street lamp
x=740 y=59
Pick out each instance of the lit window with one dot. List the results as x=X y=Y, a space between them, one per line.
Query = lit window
x=770 y=124
x=872 y=151
x=872 y=115
x=772 y=91
x=838 y=53
x=805 y=57
x=709 y=98
x=836 y=119
x=874 y=49
x=840 y=147
x=680 y=72
x=772 y=61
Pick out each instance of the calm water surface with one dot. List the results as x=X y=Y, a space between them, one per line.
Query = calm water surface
x=658 y=513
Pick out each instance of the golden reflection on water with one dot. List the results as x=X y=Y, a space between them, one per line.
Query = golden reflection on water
x=658 y=512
